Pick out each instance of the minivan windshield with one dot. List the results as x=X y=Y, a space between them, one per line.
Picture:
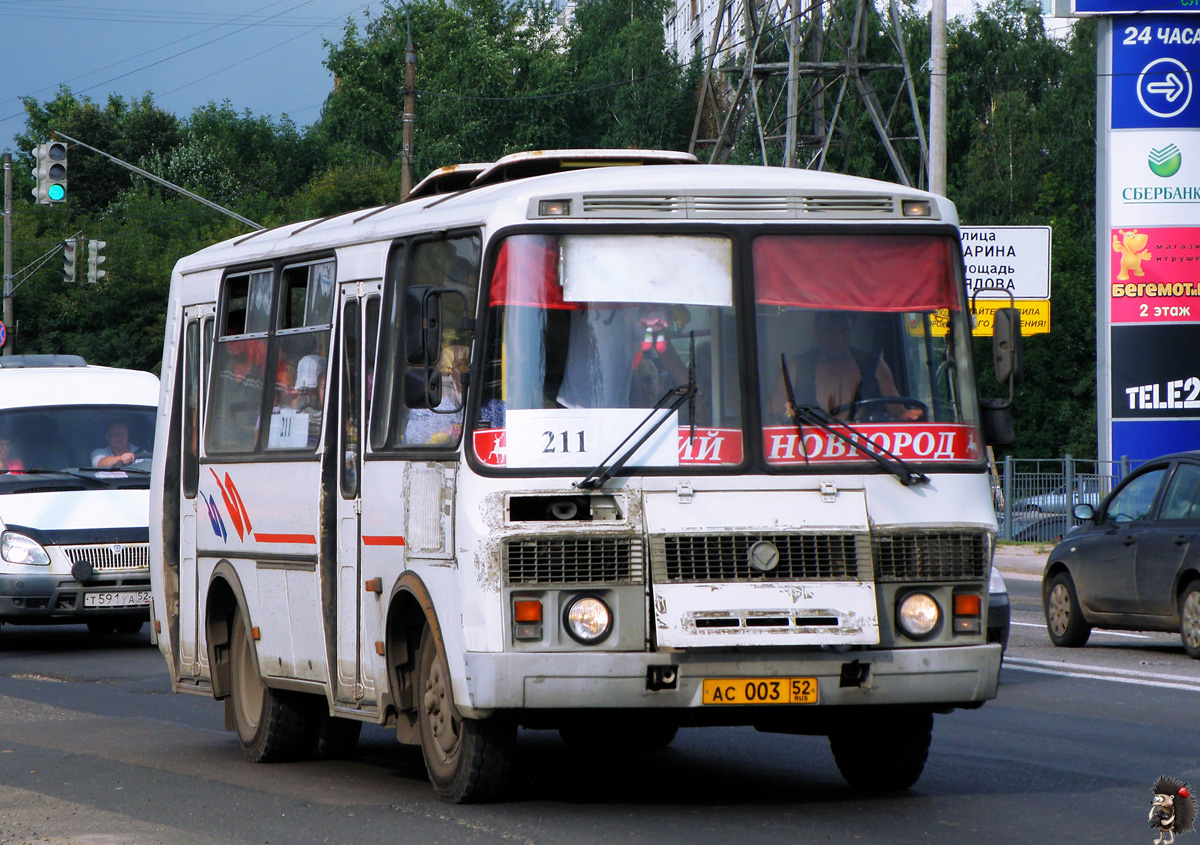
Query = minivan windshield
x=76 y=438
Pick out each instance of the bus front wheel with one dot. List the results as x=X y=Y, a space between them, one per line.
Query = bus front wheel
x=468 y=760
x=883 y=752
x=272 y=725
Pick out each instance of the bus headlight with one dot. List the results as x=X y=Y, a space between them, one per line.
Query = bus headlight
x=588 y=620
x=918 y=615
x=17 y=548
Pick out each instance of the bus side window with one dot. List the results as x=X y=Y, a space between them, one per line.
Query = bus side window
x=451 y=264
x=301 y=363
x=239 y=365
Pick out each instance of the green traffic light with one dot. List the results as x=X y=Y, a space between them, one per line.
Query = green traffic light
x=56 y=193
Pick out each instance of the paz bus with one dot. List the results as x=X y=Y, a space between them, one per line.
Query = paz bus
x=559 y=444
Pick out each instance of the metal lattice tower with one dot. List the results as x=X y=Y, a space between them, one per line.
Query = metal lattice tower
x=794 y=72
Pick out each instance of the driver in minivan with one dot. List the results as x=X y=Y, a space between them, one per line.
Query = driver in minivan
x=119 y=451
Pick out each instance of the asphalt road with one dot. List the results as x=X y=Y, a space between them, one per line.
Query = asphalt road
x=95 y=749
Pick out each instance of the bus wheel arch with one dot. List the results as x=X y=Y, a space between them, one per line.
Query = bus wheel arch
x=224 y=601
x=271 y=724
x=468 y=760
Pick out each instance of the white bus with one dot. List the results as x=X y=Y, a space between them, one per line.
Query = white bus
x=520 y=452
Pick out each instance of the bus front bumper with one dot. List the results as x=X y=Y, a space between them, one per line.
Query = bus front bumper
x=933 y=676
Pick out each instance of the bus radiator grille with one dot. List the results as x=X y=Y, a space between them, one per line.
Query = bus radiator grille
x=573 y=560
x=703 y=558
x=931 y=556
x=111 y=556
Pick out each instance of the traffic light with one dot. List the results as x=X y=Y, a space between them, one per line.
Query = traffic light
x=70 y=251
x=95 y=259
x=50 y=173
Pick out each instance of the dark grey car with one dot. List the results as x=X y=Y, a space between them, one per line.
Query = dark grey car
x=1134 y=563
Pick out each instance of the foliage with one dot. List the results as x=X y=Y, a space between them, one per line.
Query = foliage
x=494 y=77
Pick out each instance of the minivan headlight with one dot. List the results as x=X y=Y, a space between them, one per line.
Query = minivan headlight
x=18 y=548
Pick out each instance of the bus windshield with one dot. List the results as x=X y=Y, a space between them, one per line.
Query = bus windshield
x=868 y=331
x=588 y=332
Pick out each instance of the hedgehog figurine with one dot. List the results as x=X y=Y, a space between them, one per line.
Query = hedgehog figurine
x=1173 y=809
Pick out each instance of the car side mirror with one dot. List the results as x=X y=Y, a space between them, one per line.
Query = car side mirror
x=422 y=326
x=1083 y=512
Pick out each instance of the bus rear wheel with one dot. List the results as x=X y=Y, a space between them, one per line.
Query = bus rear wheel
x=272 y=725
x=468 y=760
x=883 y=752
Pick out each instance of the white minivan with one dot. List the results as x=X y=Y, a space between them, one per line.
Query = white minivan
x=75 y=446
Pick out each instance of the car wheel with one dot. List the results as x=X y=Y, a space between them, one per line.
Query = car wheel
x=1189 y=619
x=1064 y=619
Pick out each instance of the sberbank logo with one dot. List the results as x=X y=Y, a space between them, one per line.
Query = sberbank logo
x=1165 y=162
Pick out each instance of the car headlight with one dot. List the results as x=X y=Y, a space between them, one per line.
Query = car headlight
x=588 y=620
x=18 y=548
x=919 y=615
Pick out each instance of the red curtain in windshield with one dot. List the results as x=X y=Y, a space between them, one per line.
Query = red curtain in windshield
x=526 y=273
x=856 y=272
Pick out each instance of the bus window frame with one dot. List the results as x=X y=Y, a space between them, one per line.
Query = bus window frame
x=276 y=268
x=739 y=246
x=742 y=236
x=389 y=350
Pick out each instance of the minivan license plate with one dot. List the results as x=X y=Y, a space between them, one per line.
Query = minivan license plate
x=759 y=691
x=136 y=598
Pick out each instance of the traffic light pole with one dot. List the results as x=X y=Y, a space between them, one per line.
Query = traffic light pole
x=8 y=289
x=162 y=182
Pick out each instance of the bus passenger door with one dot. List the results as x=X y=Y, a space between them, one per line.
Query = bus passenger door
x=356 y=605
x=198 y=328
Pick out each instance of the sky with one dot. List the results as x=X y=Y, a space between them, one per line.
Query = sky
x=259 y=55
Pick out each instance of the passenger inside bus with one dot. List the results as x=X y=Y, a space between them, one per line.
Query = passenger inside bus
x=837 y=376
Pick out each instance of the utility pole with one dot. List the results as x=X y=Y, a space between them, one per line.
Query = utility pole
x=937 y=99
x=8 y=288
x=410 y=98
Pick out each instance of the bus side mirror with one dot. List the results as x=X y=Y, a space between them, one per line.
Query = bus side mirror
x=422 y=387
x=422 y=326
x=1006 y=346
x=996 y=416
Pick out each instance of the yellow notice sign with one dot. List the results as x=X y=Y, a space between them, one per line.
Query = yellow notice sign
x=1035 y=316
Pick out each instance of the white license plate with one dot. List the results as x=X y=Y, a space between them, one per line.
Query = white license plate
x=137 y=598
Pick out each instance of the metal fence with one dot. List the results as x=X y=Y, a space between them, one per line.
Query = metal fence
x=1034 y=497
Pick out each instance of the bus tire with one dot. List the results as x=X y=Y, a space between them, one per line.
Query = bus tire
x=883 y=753
x=608 y=735
x=272 y=725
x=468 y=760
x=336 y=738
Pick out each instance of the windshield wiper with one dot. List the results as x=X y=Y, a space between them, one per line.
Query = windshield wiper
x=823 y=420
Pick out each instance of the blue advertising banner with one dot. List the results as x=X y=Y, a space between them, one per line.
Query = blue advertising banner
x=1142 y=440
x=1154 y=64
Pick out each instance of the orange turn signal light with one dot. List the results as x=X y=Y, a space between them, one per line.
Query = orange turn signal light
x=527 y=610
x=966 y=604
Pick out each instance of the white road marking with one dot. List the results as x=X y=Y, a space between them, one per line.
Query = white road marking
x=1020 y=576
x=1097 y=633
x=1100 y=673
